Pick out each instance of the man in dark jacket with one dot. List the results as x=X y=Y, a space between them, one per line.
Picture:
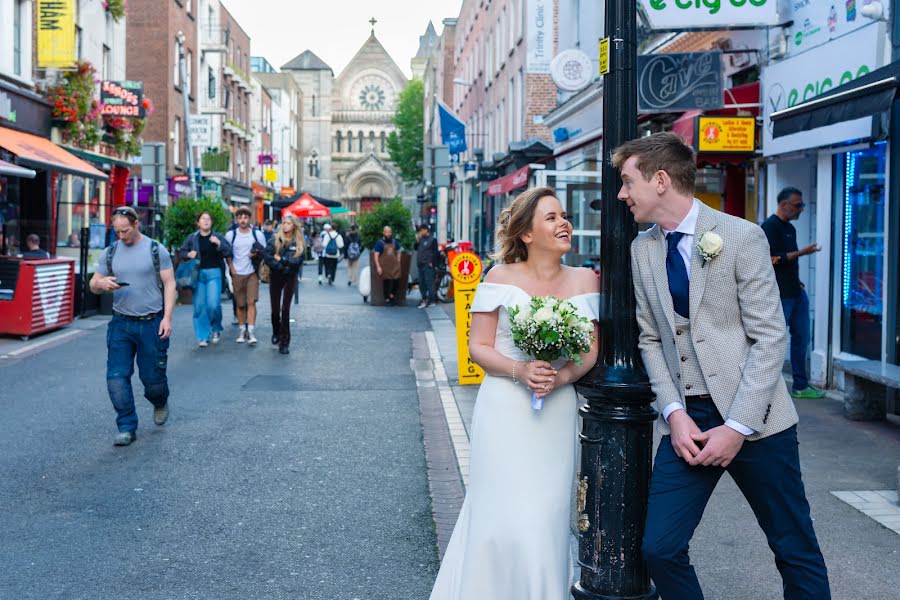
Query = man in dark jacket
x=426 y=258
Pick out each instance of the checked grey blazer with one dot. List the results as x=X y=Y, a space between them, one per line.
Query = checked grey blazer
x=737 y=324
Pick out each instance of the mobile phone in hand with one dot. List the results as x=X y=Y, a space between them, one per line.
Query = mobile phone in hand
x=122 y=283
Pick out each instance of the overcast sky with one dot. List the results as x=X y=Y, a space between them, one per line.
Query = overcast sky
x=335 y=29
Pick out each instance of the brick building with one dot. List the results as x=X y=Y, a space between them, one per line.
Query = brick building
x=152 y=57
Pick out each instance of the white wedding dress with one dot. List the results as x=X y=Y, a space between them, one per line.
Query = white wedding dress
x=511 y=541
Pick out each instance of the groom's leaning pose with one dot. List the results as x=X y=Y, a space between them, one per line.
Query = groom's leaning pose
x=713 y=342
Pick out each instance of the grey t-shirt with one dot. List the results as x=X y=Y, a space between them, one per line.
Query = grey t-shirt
x=134 y=265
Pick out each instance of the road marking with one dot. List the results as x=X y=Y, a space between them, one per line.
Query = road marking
x=35 y=346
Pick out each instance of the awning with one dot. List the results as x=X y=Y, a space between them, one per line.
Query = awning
x=306 y=207
x=865 y=96
x=34 y=151
x=15 y=170
x=508 y=183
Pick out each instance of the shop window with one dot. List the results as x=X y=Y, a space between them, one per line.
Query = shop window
x=861 y=196
x=81 y=203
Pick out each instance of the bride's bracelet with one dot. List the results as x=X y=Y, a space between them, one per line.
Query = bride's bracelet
x=515 y=364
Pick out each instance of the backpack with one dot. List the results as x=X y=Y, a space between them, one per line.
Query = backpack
x=354 y=250
x=154 y=252
x=331 y=249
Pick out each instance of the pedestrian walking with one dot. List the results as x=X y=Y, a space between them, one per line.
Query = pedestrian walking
x=319 y=252
x=33 y=243
x=334 y=244
x=782 y=238
x=352 y=252
x=387 y=263
x=284 y=255
x=247 y=247
x=138 y=272
x=712 y=338
x=268 y=229
x=209 y=249
x=426 y=258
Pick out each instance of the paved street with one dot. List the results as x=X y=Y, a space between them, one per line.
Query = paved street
x=296 y=477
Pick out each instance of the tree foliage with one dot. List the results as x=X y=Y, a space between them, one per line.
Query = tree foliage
x=181 y=218
x=391 y=213
x=405 y=144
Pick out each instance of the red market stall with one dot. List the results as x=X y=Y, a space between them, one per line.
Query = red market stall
x=306 y=207
x=36 y=295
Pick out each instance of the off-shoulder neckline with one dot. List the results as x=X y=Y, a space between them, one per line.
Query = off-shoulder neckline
x=515 y=287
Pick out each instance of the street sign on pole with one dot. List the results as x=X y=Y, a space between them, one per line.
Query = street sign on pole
x=153 y=162
x=604 y=56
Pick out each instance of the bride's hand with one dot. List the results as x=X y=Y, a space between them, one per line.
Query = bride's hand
x=540 y=377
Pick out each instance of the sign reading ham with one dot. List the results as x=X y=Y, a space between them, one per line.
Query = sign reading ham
x=122 y=99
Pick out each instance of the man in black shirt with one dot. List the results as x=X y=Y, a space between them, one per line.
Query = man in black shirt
x=34 y=247
x=426 y=257
x=794 y=300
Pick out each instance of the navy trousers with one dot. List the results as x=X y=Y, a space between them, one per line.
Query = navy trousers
x=767 y=472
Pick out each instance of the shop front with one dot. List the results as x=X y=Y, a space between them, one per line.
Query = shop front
x=840 y=165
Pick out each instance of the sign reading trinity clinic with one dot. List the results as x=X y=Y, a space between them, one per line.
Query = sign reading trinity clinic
x=466 y=272
x=703 y=14
x=55 y=33
x=726 y=134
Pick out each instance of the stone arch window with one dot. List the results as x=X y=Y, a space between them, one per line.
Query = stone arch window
x=362 y=140
x=372 y=140
x=349 y=141
x=338 y=138
x=383 y=142
x=313 y=105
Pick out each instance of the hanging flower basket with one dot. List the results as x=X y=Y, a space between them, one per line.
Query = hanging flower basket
x=115 y=8
x=75 y=109
x=125 y=134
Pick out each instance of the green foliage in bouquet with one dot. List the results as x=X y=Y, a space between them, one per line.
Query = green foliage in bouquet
x=549 y=329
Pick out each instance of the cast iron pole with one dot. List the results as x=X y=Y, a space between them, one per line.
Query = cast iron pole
x=617 y=434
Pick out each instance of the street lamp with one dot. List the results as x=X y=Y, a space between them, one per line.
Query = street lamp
x=617 y=431
x=185 y=92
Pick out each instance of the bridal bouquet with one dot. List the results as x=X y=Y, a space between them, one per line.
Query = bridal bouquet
x=548 y=329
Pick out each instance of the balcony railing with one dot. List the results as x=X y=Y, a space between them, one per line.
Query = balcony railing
x=216 y=162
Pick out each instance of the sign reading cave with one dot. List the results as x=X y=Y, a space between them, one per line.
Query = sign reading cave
x=680 y=81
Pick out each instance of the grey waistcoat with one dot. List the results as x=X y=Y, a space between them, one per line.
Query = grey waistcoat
x=691 y=374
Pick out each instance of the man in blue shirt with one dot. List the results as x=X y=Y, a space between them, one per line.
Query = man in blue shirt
x=782 y=238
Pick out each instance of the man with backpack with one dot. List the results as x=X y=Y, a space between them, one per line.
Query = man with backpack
x=352 y=252
x=247 y=246
x=333 y=243
x=138 y=272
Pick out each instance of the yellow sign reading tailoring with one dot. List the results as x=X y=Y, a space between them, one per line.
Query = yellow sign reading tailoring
x=604 y=56
x=56 y=33
x=726 y=134
x=466 y=272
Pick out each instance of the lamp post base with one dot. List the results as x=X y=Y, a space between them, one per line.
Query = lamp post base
x=579 y=593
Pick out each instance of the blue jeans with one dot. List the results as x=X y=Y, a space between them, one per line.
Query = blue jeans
x=426 y=283
x=767 y=472
x=125 y=340
x=208 y=304
x=796 y=315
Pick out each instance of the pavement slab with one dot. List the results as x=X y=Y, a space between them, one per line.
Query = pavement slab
x=296 y=477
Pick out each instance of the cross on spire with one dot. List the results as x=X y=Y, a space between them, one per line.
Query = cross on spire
x=372 y=21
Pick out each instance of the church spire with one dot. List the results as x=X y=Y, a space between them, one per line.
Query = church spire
x=372 y=22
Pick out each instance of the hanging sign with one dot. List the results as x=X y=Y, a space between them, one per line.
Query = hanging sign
x=465 y=268
x=55 y=33
x=571 y=70
x=122 y=99
x=680 y=81
x=200 y=131
x=270 y=175
x=703 y=14
x=726 y=134
x=539 y=27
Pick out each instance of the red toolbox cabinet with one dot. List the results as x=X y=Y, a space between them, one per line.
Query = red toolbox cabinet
x=36 y=294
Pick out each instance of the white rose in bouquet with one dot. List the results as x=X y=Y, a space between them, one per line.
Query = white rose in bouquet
x=543 y=314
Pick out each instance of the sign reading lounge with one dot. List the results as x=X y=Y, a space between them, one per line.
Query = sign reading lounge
x=702 y=14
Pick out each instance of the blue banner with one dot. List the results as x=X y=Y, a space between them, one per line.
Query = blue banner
x=453 y=131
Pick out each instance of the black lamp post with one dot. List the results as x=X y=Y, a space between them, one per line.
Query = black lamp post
x=617 y=435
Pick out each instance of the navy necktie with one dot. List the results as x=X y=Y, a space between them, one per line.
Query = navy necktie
x=679 y=284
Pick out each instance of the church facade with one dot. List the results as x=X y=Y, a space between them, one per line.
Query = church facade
x=346 y=121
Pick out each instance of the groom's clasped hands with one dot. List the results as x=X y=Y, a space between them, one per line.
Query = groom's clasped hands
x=716 y=447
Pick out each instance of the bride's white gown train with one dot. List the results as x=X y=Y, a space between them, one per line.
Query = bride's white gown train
x=511 y=541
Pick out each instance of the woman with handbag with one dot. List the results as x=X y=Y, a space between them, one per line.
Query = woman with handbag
x=283 y=257
x=206 y=251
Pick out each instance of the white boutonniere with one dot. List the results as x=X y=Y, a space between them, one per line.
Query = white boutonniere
x=710 y=245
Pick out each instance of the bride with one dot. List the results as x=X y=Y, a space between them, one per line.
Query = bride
x=511 y=541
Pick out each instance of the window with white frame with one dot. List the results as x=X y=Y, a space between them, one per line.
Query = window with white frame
x=176 y=72
x=189 y=83
x=18 y=27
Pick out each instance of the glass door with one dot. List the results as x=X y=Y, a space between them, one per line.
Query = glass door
x=577 y=190
x=862 y=278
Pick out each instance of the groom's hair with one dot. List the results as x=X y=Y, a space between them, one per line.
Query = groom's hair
x=661 y=152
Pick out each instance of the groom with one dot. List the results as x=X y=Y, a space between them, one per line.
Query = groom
x=712 y=337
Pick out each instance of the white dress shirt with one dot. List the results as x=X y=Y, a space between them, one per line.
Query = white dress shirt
x=686 y=249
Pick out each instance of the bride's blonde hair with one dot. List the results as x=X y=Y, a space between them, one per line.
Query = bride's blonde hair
x=515 y=221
